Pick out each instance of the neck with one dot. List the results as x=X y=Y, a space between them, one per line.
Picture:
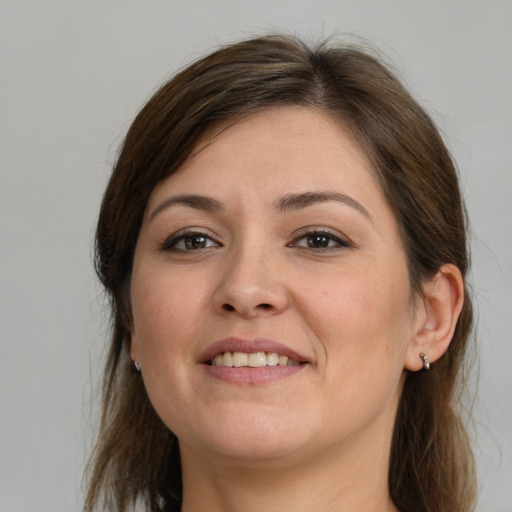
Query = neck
x=341 y=480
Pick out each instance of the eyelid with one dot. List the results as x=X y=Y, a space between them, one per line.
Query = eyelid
x=170 y=241
x=342 y=240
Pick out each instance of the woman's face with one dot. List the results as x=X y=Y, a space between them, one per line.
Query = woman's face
x=274 y=240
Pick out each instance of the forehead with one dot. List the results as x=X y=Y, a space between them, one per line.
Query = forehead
x=279 y=150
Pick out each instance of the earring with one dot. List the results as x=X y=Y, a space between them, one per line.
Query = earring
x=426 y=362
x=137 y=366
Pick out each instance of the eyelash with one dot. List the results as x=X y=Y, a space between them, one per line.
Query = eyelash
x=171 y=244
x=340 y=242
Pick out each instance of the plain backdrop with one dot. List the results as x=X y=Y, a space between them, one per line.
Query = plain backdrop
x=72 y=76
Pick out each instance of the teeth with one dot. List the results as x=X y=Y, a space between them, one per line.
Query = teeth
x=253 y=360
x=257 y=360
x=272 y=359
x=227 y=359
x=240 y=359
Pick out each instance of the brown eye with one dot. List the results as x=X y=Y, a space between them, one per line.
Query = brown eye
x=320 y=240
x=189 y=242
x=195 y=242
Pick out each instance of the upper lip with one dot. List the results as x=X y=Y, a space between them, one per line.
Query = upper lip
x=249 y=345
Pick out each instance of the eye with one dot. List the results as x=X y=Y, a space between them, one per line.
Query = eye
x=189 y=241
x=320 y=240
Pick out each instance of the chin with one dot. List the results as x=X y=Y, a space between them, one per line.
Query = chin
x=254 y=436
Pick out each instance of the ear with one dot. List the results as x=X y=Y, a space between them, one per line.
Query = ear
x=437 y=312
x=131 y=339
x=134 y=346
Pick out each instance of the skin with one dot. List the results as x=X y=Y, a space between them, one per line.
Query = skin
x=318 y=439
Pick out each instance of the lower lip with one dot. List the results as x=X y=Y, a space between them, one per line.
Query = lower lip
x=247 y=375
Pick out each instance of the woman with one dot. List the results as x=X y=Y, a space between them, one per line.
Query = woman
x=284 y=244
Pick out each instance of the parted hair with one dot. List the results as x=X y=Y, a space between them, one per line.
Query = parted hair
x=136 y=458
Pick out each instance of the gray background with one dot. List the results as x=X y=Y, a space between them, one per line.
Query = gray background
x=74 y=73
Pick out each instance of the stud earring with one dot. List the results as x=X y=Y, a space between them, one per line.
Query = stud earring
x=137 y=366
x=426 y=362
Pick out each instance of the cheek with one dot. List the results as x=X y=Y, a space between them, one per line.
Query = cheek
x=360 y=328
x=165 y=310
x=360 y=315
x=165 y=316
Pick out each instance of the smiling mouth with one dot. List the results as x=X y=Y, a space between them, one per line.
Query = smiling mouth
x=252 y=360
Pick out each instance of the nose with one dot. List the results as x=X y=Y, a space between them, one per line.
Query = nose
x=251 y=285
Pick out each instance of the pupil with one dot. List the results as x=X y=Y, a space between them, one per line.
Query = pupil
x=318 y=241
x=195 y=242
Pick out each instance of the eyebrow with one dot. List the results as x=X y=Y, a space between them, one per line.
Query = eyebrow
x=303 y=200
x=192 y=200
x=285 y=204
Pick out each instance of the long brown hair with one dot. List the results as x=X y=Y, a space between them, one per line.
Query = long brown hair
x=136 y=458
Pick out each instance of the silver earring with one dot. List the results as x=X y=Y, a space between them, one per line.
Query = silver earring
x=138 y=367
x=426 y=362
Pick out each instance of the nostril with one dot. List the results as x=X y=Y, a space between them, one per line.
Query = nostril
x=229 y=307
